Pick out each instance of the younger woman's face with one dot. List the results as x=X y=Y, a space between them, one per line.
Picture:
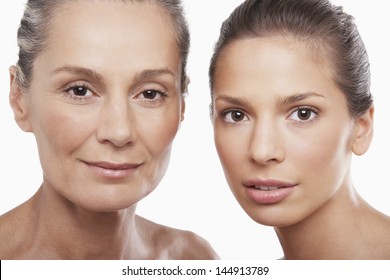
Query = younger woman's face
x=105 y=102
x=282 y=129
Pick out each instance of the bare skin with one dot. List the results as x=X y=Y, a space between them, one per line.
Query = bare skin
x=34 y=231
x=104 y=105
x=352 y=232
x=285 y=139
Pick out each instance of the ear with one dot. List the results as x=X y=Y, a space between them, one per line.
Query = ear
x=18 y=101
x=183 y=108
x=364 y=129
x=183 y=101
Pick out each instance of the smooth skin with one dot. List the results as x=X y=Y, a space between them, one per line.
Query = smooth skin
x=104 y=105
x=279 y=119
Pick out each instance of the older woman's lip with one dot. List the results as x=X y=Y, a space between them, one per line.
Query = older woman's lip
x=113 y=166
x=112 y=170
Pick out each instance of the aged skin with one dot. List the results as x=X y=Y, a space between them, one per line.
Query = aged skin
x=104 y=105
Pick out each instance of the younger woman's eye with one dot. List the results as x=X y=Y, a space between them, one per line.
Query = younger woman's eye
x=234 y=116
x=304 y=114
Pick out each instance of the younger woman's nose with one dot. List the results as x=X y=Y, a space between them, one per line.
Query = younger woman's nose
x=266 y=144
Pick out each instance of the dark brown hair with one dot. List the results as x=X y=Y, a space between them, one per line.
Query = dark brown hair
x=327 y=30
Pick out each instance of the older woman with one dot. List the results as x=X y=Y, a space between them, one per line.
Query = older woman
x=99 y=84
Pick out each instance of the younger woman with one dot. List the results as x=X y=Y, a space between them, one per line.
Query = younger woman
x=291 y=103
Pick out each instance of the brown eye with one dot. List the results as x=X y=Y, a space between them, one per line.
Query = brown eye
x=79 y=91
x=237 y=116
x=234 y=116
x=150 y=94
x=304 y=114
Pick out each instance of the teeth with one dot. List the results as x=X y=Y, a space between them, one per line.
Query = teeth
x=266 y=188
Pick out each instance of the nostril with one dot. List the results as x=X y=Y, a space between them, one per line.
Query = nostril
x=116 y=127
x=266 y=147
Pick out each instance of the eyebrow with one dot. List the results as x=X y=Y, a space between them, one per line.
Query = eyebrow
x=77 y=70
x=238 y=101
x=151 y=74
x=93 y=75
x=297 y=97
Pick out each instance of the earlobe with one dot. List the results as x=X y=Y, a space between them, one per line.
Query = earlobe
x=18 y=102
x=364 y=132
x=183 y=109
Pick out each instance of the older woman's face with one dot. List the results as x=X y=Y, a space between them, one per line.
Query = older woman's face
x=282 y=129
x=105 y=102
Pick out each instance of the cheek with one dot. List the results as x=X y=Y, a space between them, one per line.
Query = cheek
x=157 y=131
x=231 y=150
x=322 y=157
x=59 y=131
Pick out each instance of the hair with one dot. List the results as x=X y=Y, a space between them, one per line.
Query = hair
x=325 y=28
x=33 y=33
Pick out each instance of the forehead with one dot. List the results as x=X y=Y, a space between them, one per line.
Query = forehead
x=112 y=17
x=272 y=67
x=116 y=28
x=270 y=58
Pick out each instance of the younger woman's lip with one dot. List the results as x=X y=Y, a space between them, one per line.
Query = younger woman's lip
x=270 y=183
x=268 y=191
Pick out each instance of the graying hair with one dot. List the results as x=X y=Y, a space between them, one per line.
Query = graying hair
x=33 y=32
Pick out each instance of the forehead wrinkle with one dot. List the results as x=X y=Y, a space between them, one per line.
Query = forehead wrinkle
x=80 y=71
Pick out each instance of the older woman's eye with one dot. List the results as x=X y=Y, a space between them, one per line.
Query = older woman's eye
x=152 y=94
x=234 y=116
x=304 y=114
x=79 y=91
x=151 y=97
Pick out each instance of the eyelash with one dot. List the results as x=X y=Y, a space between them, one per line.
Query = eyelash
x=225 y=113
x=74 y=97
x=81 y=99
x=155 y=100
x=310 y=109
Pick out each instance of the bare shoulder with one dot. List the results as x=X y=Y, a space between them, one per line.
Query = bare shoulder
x=176 y=244
x=11 y=236
x=379 y=232
x=386 y=237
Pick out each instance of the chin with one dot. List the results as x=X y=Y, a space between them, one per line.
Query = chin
x=271 y=215
x=108 y=202
x=108 y=206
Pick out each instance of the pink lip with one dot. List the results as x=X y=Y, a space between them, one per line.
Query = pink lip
x=267 y=191
x=112 y=170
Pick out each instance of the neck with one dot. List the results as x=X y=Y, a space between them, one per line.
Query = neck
x=65 y=231
x=333 y=232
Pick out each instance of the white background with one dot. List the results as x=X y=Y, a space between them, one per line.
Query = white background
x=193 y=194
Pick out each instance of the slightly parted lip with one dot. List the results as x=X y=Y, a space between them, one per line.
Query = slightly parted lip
x=252 y=182
x=112 y=166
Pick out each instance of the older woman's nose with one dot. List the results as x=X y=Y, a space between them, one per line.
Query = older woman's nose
x=116 y=124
